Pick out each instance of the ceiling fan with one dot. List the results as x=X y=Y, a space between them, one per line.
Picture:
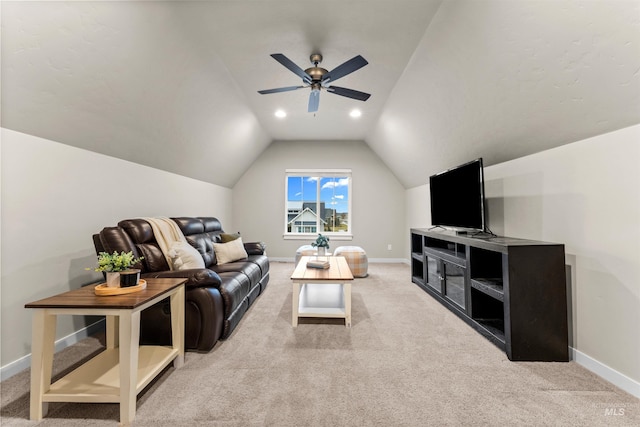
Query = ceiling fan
x=319 y=78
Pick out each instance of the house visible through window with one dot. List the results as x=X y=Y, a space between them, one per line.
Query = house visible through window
x=318 y=201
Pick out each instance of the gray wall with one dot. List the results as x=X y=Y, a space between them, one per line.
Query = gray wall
x=584 y=195
x=377 y=199
x=54 y=197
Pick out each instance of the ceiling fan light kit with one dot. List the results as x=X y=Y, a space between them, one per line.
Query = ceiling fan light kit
x=318 y=78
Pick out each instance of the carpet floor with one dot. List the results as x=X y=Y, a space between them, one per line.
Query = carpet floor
x=406 y=361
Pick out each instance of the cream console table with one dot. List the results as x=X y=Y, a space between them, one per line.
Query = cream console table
x=124 y=368
x=322 y=292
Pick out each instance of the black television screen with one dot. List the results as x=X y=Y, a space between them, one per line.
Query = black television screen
x=457 y=197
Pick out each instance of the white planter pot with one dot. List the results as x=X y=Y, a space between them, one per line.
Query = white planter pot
x=113 y=280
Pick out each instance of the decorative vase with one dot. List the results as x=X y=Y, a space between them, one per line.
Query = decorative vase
x=322 y=251
x=113 y=279
x=129 y=278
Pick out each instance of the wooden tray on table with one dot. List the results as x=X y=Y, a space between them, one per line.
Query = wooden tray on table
x=103 y=290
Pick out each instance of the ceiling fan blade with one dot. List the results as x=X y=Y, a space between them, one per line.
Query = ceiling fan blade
x=314 y=101
x=280 y=89
x=349 y=93
x=342 y=70
x=292 y=66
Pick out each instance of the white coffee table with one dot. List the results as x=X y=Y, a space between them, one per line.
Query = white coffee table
x=322 y=292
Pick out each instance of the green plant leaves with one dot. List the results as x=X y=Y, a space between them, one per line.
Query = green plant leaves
x=116 y=261
x=321 y=242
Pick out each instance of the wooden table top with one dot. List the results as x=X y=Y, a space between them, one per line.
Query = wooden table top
x=85 y=297
x=338 y=270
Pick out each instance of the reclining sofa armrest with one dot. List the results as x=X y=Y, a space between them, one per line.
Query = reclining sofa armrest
x=255 y=248
x=197 y=277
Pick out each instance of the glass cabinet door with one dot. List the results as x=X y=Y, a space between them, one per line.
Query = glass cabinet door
x=454 y=283
x=434 y=273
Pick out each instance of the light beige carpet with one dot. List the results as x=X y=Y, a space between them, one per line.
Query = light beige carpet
x=406 y=361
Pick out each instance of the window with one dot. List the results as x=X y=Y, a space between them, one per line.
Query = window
x=318 y=201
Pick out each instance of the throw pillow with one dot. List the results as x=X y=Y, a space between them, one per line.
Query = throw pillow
x=229 y=252
x=228 y=237
x=184 y=256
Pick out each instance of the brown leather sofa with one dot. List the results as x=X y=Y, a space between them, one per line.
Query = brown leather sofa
x=217 y=296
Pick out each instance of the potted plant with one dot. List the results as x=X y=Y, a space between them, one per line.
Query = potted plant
x=117 y=267
x=322 y=243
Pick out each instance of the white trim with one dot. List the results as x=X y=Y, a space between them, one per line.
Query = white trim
x=386 y=260
x=17 y=366
x=324 y=172
x=312 y=236
x=616 y=378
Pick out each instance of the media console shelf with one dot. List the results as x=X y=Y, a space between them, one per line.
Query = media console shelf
x=512 y=291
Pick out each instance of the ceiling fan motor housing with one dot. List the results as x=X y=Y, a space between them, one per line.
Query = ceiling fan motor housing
x=316 y=72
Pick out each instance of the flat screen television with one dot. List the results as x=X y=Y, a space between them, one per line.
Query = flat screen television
x=457 y=197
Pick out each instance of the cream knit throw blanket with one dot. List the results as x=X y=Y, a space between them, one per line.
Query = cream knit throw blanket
x=166 y=232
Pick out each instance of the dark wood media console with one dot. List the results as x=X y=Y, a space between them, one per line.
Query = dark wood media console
x=512 y=291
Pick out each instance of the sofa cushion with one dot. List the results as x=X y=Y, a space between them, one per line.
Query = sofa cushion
x=184 y=256
x=154 y=259
x=261 y=261
x=229 y=252
x=244 y=267
x=234 y=288
x=228 y=237
x=196 y=233
x=189 y=225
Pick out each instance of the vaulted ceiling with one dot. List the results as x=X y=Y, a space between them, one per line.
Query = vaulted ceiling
x=173 y=85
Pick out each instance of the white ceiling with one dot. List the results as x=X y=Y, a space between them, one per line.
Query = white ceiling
x=173 y=85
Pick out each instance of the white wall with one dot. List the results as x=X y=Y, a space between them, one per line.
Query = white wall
x=502 y=79
x=585 y=195
x=378 y=197
x=54 y=197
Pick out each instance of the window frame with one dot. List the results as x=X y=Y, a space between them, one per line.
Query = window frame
x=320 y=173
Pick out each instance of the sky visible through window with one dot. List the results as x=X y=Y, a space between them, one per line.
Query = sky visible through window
x=333 y=191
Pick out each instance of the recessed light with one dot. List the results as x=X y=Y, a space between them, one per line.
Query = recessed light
x=281 y=114
x=355 y=113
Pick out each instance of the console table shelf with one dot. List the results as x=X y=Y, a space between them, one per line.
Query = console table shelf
x=495 y=327
x=512 y=291
x=123 y=369
x=491 y=287
x=99 y=378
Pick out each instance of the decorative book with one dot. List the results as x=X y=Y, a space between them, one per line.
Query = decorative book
x=318 y=264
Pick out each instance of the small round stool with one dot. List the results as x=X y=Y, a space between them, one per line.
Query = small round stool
x=305 y=250
x=356 y=259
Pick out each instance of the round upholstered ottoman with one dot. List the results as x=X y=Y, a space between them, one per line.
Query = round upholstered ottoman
x=305 y=250
x=356 y=259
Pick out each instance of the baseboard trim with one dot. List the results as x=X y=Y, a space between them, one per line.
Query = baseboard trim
x=24 y=362
x=387 y=260
x=616 y=378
